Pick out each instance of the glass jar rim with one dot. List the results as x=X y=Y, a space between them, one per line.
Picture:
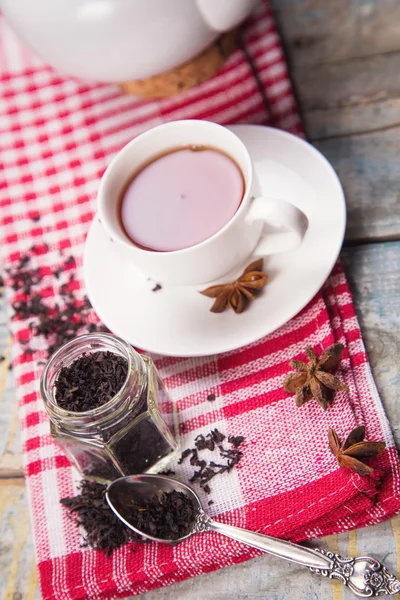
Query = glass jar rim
x=128 y=352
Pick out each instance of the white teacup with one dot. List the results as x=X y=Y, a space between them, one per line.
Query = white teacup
x=261 y=225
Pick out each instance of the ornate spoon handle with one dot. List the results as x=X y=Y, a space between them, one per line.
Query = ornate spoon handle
x=366 y=577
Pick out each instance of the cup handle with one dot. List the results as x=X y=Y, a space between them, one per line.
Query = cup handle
x=284 y=225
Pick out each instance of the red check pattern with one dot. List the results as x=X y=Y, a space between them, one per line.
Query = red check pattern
x=57 y=136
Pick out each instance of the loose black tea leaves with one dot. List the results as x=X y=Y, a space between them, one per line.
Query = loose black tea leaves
x=59 y=322
x=90 y=381
x=235 y=440
x=204 y=442
x=70 y=261
x=217 y=436
x=207 y=470
x=103 y=530
x=184 y=455
x=166 y=515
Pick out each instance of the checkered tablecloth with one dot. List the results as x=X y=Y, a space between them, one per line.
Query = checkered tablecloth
x=58 y=135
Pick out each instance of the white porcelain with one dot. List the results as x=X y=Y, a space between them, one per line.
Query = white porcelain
x=121 y=40
x=176 y=320
x=280 y=223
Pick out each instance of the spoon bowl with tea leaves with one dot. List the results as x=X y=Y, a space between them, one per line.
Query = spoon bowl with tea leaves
x=164 y=510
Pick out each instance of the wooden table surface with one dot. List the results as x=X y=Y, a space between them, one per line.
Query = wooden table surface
x=344 y=57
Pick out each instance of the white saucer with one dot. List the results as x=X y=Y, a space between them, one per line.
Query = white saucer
x=176 y=321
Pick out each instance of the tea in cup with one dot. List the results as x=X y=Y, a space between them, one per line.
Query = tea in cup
x=179 y=199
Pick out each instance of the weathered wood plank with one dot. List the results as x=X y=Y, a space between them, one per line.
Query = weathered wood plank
x=10 y=477
x=352 y=96
x=321 y=31
x=373 y=273
x=18 y=576
x=351 y=119
x=350 y=100
x=352 y=82
x=10 y=447
x=369 y=169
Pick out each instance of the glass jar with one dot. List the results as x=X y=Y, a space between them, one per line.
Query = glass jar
x=129 y=434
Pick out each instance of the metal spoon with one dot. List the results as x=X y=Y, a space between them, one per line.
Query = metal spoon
x=365 y=576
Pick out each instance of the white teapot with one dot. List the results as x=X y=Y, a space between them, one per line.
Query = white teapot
x=121 y=40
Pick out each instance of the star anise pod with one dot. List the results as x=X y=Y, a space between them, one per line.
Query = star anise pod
x=237 y=294
x=354 y=448
x=313 y=380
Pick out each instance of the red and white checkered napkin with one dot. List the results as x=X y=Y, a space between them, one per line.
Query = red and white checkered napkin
x=57 y=137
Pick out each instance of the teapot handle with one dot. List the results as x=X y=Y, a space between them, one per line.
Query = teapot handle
x=225 y=14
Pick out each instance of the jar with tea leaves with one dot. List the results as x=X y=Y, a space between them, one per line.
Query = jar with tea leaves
x=108 y=408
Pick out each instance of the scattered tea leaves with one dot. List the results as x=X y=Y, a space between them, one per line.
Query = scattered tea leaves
x=184 y=455
x=103 y=530
x=56 y=323
x=207 y=470
x=235 y=440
